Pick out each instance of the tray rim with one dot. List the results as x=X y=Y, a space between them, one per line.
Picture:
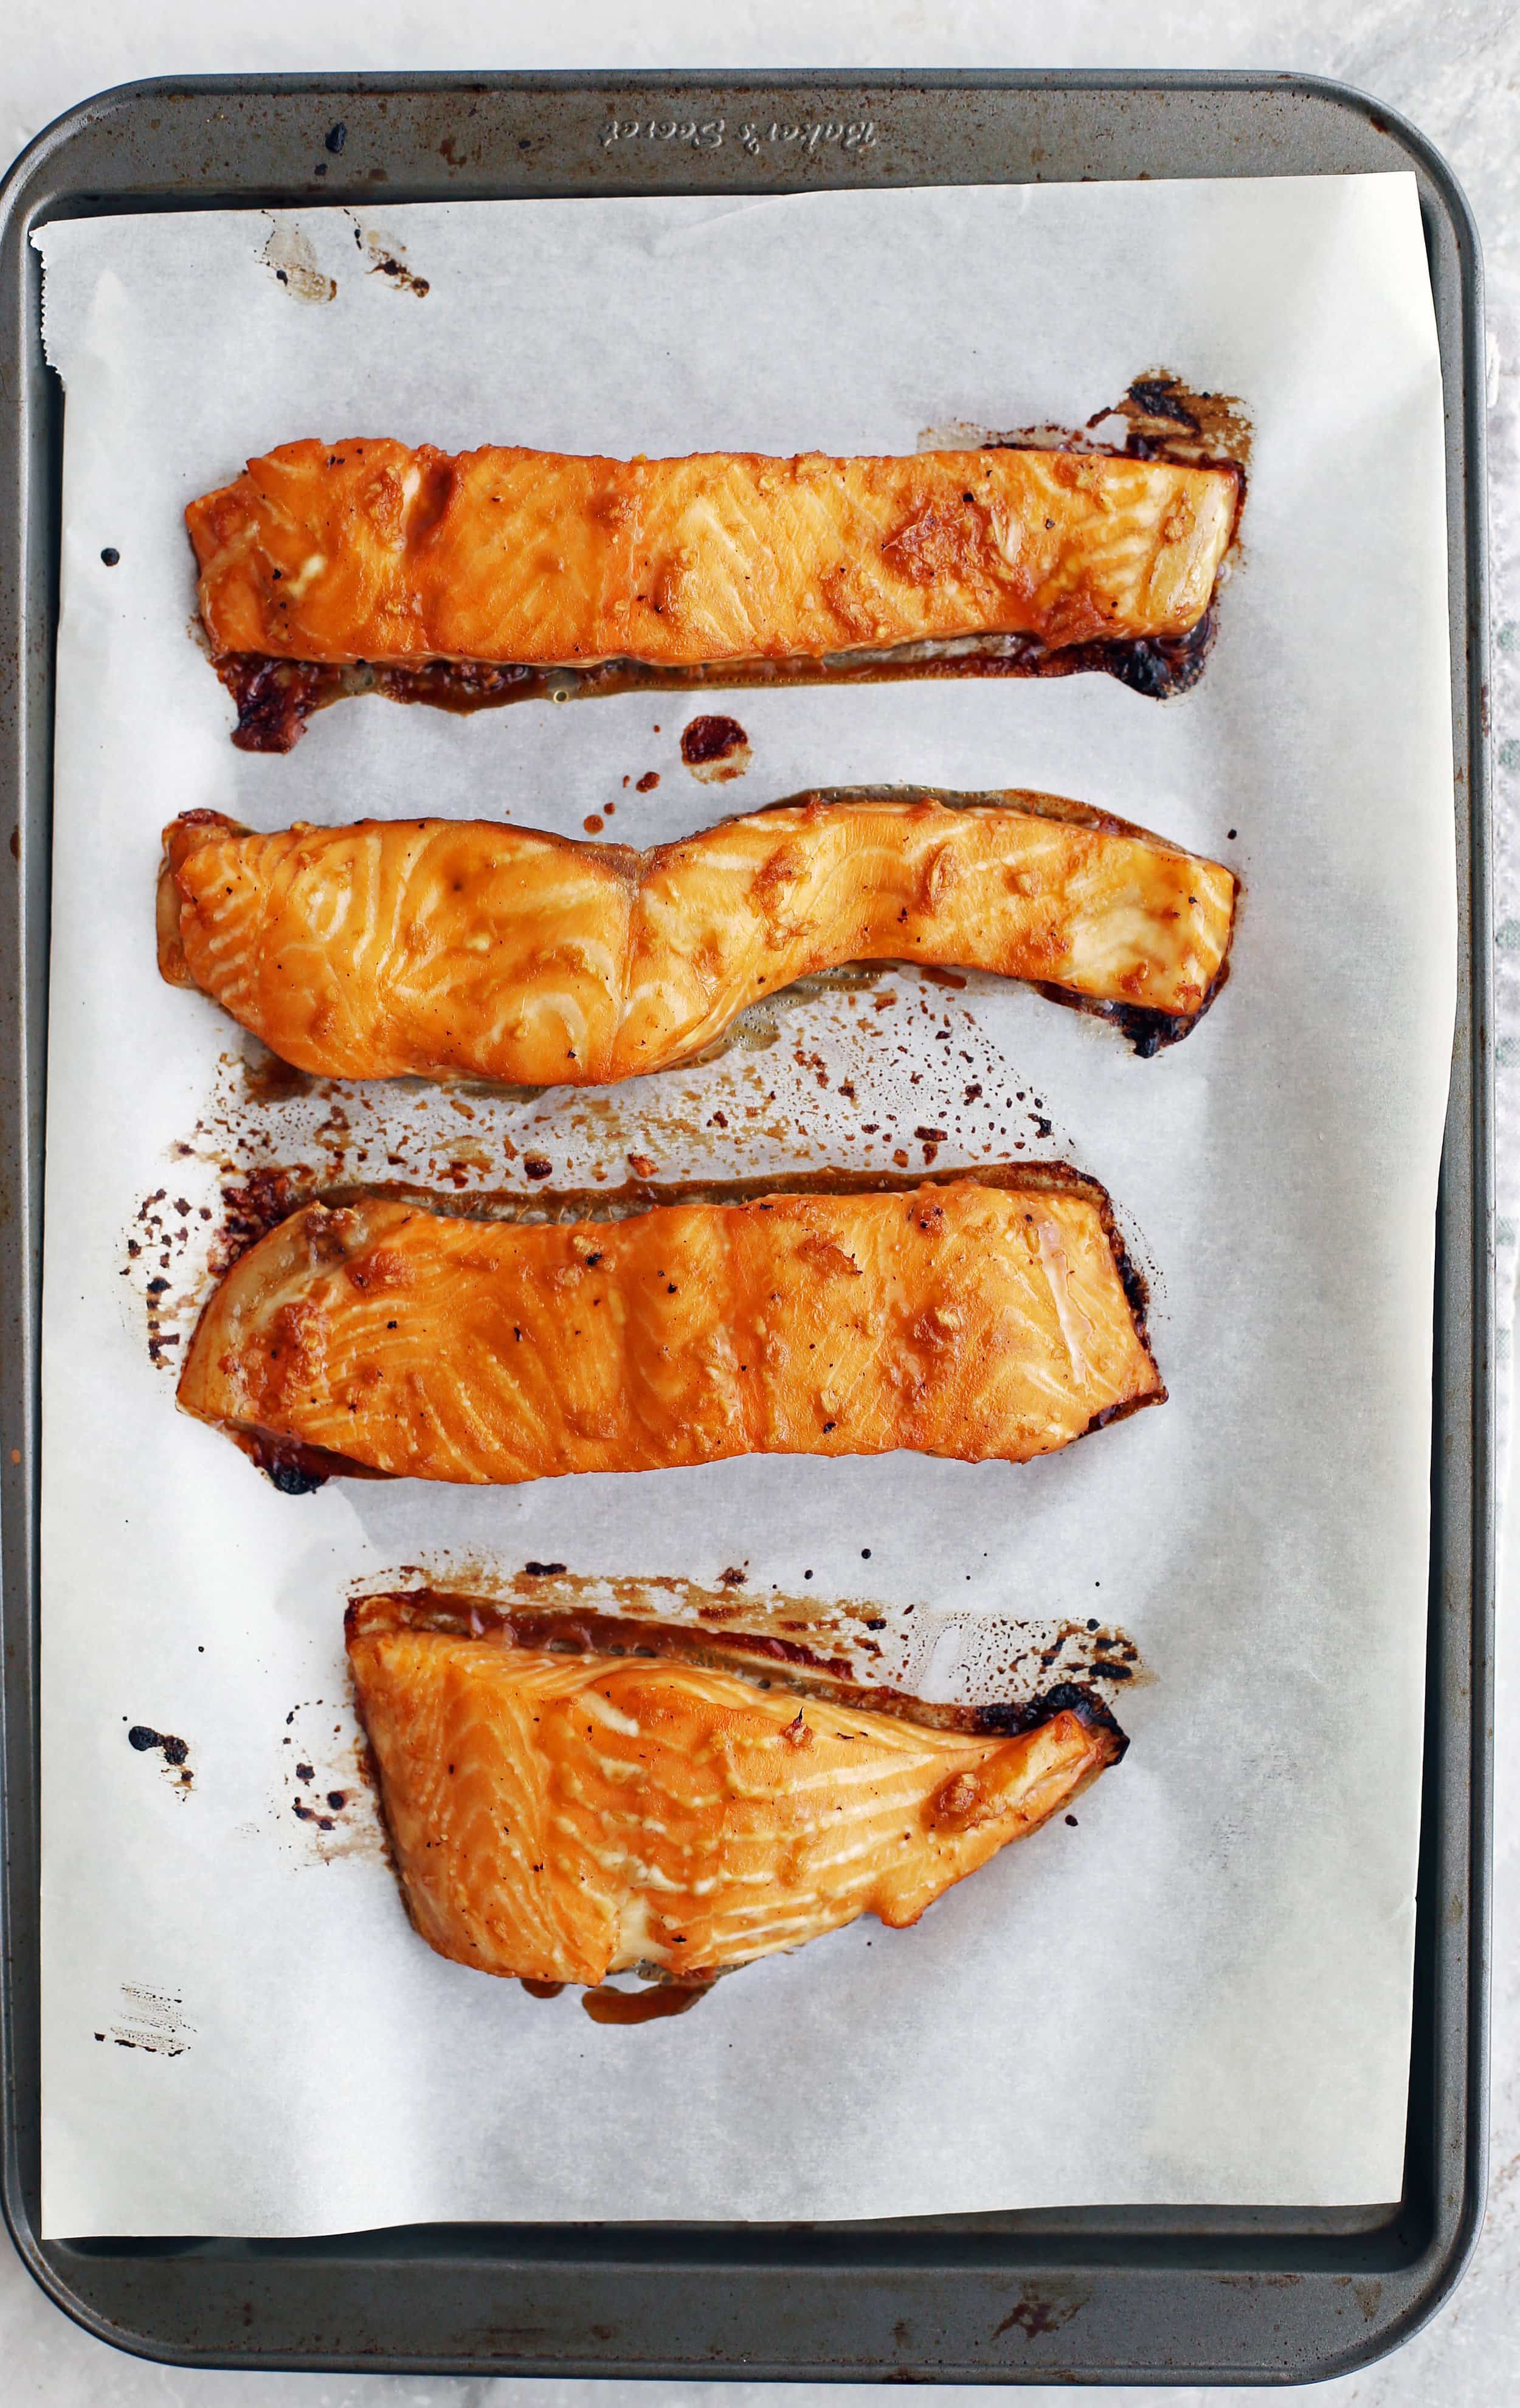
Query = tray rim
x=25 y=513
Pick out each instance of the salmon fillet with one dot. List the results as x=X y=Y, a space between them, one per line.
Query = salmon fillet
x=980 y=1316
x=560 y=1817
x=367 y=550
x=467 y=947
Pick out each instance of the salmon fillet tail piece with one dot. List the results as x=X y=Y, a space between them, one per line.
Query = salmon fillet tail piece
x=985 y=1315
x=368 y=551
x=561 y=1816
x=450 y=948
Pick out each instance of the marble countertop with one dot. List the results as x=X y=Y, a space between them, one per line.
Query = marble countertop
x=1456 y=72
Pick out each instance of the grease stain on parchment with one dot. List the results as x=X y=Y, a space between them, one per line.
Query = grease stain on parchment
x=325 y=1802
x=388 y=258
x=879 y=1067
x=291 y=258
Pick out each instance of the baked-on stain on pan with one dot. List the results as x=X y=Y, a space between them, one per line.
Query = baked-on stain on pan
x=431 y=1345
x=561 y=1813
x=451 y=948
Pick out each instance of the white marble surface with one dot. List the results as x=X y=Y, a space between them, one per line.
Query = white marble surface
x=1455 y=71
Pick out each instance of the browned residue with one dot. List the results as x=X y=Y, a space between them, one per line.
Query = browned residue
x=327 y=1805
x=253 y=1205
x=648 y=2006
x=714 y=749
x=1159 y=416
x=388 y=258
x=885 y=1043
x=814 y=1647
x=276 y=697
x=173 y=1751
x=270 y=1081
x=1170 y=419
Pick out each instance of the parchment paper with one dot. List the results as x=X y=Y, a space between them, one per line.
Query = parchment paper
x=1202 y=1991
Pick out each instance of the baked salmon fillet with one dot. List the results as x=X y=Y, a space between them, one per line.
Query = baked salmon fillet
x=467 y=947
x=561 y=1816
x=368 y=550
x=979 y=1316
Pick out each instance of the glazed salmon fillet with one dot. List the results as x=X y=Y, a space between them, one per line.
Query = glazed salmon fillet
x=983 y=1316
x=367 y=550
x=560 y=1817
x=467 y=947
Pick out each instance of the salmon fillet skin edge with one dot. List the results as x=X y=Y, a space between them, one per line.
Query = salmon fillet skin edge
x=559 y=1817
x=467 y=947
x=367 y=550
x=982 y=1316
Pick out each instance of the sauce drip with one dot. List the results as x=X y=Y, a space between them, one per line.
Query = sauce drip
x=541 y=1989
x=710 y=738
x=642 y=2006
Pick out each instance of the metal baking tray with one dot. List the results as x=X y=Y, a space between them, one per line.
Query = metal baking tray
x=1122 y=2295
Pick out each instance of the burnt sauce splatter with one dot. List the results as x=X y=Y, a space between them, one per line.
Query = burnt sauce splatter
x=275 y=698
x=330 y=1785
x=1149 y=1031
x=174 y=1750
x=714 y=749
x=1159 y=416
x=151 y=2020
x=142 y=1737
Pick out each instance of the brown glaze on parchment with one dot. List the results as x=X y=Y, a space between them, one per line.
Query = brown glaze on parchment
x=276 y=698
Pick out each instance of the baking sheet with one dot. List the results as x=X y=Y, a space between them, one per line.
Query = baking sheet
x=1201 y=1993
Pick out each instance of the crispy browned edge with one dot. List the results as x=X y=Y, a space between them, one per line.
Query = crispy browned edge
x=1149 y=1031
x=762 y=1658
x=570 y=1205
